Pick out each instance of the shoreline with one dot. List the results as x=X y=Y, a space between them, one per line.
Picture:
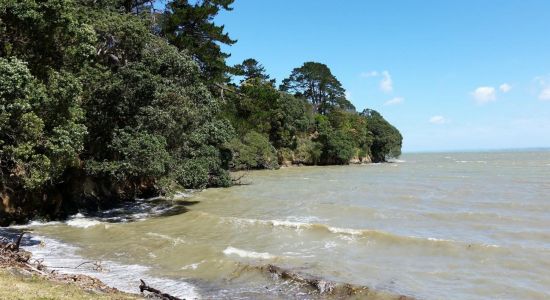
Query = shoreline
x=31 y=278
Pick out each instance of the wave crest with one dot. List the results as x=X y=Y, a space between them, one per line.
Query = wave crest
x=247 y=254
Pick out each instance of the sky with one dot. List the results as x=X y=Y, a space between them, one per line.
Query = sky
x=450 y=75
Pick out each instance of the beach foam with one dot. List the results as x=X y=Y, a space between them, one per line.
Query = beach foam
x=63 y=258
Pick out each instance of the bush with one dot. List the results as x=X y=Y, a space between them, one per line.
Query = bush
x=307 y=152
x=41 y=133
x=253 y=152
x=285 y=155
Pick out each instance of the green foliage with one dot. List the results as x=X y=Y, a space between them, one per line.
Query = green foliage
x=108 y=90
x=45 y=34
x=338 y=147
x=251 y=68
x=99 y=90
x=253 y=151
x=161 y=95
x=386 y=139
x=138 y=155
x=327 y=131
x=261 y=107
x=189 y=26
x=285 y=155
x=314 y=81
x=41 y=133
x=307 y=152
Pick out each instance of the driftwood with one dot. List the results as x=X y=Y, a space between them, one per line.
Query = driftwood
x=144 y=287
x=14 y=247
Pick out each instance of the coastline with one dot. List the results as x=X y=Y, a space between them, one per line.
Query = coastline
x=37 y=276
x=28 y=278
x=32 y=278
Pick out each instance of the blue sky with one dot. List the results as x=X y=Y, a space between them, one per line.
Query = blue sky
x=450 y=75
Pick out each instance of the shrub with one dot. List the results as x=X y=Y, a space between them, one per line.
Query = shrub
x=253 y=151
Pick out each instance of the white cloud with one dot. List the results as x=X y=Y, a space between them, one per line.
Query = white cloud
x=369 y=74
x=545 y=94
x=484 y=94
x=438 y=120
x=395 y=101
x=386 y=84
x=505 y=88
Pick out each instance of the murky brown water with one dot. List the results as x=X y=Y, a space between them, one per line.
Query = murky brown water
x=433 y=226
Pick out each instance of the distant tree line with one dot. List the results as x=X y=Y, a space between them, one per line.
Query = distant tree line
x=103 y=100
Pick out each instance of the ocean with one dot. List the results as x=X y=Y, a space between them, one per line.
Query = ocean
x=427 y=226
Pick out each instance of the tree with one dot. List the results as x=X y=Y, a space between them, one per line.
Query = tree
x=158 y=103
x=385 y=138
x=337 y=145
x=251 y=68
x=315 y=82
x=41 y=130
x=46 y=35
x=253 y=151
x=190 y=26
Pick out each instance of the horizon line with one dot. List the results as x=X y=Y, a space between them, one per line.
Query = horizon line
x=510 y=149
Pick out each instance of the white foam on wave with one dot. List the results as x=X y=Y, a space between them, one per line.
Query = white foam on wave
x=80 y=221
x=471 y=161
x=247 y=254
x=435 y=239
x=184 y=194
x=298 y=225
x=35 y=224
x=400 y=161
x=345 y=230
x=63 y=258
x=290 y=224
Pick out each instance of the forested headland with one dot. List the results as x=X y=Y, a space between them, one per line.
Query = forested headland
x=108 y=100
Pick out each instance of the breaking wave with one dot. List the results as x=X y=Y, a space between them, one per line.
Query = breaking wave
x=368 y=234
x=247 y=254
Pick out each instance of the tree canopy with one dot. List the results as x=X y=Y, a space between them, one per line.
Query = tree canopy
x=190 y=26
x=251 y=68
x=314 y=81
x=109 y=100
